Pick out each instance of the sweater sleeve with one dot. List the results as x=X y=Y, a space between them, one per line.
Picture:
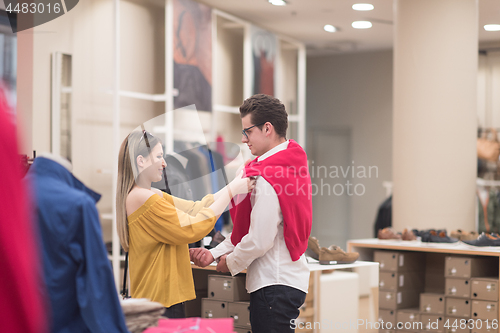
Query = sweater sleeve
x=188 y=206
x=165 y=223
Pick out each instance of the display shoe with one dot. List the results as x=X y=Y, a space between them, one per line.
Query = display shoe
x=485 y=240
x=464 y=235
x=440 y=236
x=313 y=248
x=408 y=235
x=335 y=255
x=388 y=233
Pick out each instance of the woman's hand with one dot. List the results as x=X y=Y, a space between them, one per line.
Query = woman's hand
x=241 y=185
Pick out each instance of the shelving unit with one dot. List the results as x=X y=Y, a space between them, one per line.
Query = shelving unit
x=367 y=247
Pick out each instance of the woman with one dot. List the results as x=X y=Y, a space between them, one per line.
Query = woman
x=156 y=228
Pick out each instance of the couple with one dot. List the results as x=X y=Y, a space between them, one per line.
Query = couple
x=271 y=225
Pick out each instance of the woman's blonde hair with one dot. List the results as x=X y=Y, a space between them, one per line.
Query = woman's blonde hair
x=135 y=144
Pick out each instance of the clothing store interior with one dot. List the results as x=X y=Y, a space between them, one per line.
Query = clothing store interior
x=371 y=129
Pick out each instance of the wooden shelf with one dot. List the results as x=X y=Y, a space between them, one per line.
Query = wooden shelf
x=397 y=245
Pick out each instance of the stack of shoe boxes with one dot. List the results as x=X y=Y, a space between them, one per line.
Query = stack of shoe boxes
x=460 y=296
x=471 y=293
x=227 y=297
x=401 y=280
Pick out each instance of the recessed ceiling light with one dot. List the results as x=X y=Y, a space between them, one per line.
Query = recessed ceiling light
x=362 y=6
x=277 y=2
x=361 y=24
x=329 y=28
x=492 y=27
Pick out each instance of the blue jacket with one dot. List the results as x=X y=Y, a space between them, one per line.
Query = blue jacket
x=82 y=292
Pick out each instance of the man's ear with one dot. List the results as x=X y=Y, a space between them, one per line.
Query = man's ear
x=268 y=127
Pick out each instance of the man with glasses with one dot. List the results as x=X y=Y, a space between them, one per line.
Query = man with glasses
x=272 y=225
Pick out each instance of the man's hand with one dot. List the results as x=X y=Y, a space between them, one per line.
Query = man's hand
x=222 y=265
x=201 y=256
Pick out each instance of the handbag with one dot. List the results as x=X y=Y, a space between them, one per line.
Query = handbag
x=488 y=148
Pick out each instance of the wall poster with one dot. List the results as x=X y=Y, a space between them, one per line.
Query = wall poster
x=192 y=54
x=264 y=46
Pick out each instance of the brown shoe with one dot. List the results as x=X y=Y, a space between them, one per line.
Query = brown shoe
x=335 y=255
x=313 y=248
x=388 y=233
x=408 y=235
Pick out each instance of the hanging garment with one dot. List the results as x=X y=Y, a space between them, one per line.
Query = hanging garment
x=178 y=181
x=22 y=306
x=78 y=274
x=384 y=216
x=488 y=212
x=198 y=173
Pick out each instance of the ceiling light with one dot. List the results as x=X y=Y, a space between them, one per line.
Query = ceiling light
x=277 y=2
x=362 y=6
x=492 y=27
x=329 y=28
x=361 y=24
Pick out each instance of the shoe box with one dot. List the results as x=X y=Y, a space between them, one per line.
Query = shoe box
x=399 y=261
x=485 y=327
x=458 y=288
x=408 y=316
x=468 y=267
x=486 y=310
x=484 y=289
x=453 y=325
x=240 y=312
x=432 y=323
x=387 y=316
x=214 y=309
x=396 y=281
x=458 y=307
x=394 y=300
x=431 y=303
x=227 y=288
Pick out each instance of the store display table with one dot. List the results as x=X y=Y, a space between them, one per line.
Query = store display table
x=310 y=312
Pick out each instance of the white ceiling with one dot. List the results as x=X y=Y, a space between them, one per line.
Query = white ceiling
x=304 y=21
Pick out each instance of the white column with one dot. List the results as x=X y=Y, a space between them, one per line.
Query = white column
x=434 y=133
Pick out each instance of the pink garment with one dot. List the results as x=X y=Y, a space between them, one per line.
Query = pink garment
x=221 y=148
x=198 y=325
x=21 y=303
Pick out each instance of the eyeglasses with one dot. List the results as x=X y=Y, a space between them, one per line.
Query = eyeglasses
x=244 y=132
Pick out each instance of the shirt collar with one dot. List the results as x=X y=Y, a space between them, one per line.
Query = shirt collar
x=278 y=148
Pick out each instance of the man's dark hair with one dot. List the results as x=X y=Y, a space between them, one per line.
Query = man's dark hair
x=265 y=108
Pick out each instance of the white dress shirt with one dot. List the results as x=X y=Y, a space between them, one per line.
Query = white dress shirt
x=263 y=251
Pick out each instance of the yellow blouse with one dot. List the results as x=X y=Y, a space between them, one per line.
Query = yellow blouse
x=159 y=234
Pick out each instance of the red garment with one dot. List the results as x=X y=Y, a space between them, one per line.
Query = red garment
x=288 y=174
x=221 y=148
x=197 y=325
x=21 y=305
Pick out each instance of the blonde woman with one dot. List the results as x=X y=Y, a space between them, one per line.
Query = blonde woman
x=156 y=228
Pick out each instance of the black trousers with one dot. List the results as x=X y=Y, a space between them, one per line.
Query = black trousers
x=175 y=311
x=273 y=307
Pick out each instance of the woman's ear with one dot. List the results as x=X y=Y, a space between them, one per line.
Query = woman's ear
x=140 y=161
